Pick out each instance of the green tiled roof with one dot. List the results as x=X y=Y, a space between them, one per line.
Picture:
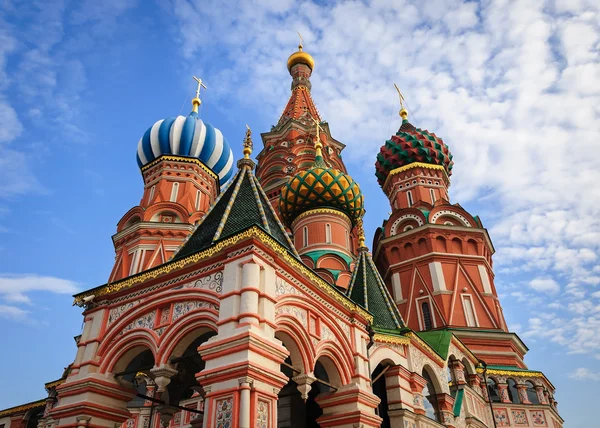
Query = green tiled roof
x=368 y=290
x=242 y=205
x=439 y=340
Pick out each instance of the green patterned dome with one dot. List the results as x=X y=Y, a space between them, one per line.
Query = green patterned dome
x=320 y=187
x=411 y=145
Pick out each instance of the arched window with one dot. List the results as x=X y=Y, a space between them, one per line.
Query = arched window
x=347 y=240
x=174 y=191
x=327 y=233
x=492 y=388
x=430 y=398
x=432 y=193
x=531 y=393
x=427 y=324
x=305 y=236
x=151 y=196
x=410 y=199
x=513 y=392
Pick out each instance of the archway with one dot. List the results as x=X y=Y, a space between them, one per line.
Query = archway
x=380 y=390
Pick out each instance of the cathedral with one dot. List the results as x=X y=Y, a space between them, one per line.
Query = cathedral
x=243 y=294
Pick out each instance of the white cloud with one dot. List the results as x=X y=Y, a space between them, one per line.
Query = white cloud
x=13 y=313
x=544 y=285
x=17 y=288
x=584 y=374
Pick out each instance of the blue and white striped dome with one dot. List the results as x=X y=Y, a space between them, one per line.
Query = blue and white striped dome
x=190 y=137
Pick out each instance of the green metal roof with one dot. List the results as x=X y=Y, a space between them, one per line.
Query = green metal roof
x=242 y=205
x=368 y=290
x=458 y=401
x=439 y=340
x=316 y=255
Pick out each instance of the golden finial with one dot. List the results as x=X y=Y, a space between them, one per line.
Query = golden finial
x=361 y=233
x=248 y=143
x=318 y=143
x=196 y=101
x=301 y=41
x=403 y=112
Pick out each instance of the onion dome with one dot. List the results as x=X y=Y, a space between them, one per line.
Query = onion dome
x=188 y=137
x=300 y=57
x=411 y=145
x=320 y=187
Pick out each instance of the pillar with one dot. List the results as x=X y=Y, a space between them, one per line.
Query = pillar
x=446 y=409
x=503 y=392
x=475 y=383
x=458 y=371
x=539 y=389
x=348 y=407
x=417 y=383
x=245 y=386
x=522 y=390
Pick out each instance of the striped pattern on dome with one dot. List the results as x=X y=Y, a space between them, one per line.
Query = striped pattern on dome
x=190 y=137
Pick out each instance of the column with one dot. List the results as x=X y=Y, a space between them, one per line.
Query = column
x=475 y=383
x=162 y=378
x=245 y=387
x=503 y=392
x=400 y=396
x=522 y=390
x=249 y=294
x=349 y=406
x=539 y=389
x=458 y=371
x=417 y=383
x=446 y=409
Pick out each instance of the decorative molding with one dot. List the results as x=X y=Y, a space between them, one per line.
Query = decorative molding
x=384 y=338
x=23 y=408
x=511 y=373
x=317 y=211
x=255 y=233
x=400 y=219
x=171 y=158
x=414 y=165
x=466 y=222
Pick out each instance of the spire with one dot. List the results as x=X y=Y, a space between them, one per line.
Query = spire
x=196 y=101
x=403 y=112
x=242 y=205
x=300 y=65
x=368 y=289
x=318 y=145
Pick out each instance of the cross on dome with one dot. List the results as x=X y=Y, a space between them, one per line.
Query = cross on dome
x=196 y=101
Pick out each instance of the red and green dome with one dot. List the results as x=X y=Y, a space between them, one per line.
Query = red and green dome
x=411 y=145
x=320 y=187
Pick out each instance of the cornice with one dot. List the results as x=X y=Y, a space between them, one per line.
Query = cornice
x=22 y=408
x=414 y=165
x=253 y=232
x=182 y=159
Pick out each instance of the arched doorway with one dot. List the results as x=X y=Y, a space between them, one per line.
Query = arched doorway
x=292 y=410
x=380 y=390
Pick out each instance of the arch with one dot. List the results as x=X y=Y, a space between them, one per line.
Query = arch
x=395 y=254
x=126 y=349
x=415 y=220
x=456 y=245
x=379 y=386
x=513 y=392
x=307 y=261
x=296 y=341
x=440 y=244
x=334 y=365
x=160 y=207
x=343 y=280
x=326 y=275
x=136 y=211
x=157 y=216
x=532 y=393
x=422 y=243
x=472 y=247
x=332 y=261
x=469 y=367
x=408 y=250
x=492 y=388
x=183 y=334
x=386 y=356
x=430 y=391
x=442 y=216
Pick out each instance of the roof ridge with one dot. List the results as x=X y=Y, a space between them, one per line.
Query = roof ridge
x=236 y=190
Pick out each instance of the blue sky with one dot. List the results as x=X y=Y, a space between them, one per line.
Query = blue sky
x=514 y=90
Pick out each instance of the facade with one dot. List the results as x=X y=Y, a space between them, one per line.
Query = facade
x=245 y=296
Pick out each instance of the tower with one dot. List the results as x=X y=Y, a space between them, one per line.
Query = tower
x=183 y=162
x=287 y=147
x=435 y=255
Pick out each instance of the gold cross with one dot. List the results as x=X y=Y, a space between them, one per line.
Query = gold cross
x=301 y=40
x=401 y=96
x=200 y=85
